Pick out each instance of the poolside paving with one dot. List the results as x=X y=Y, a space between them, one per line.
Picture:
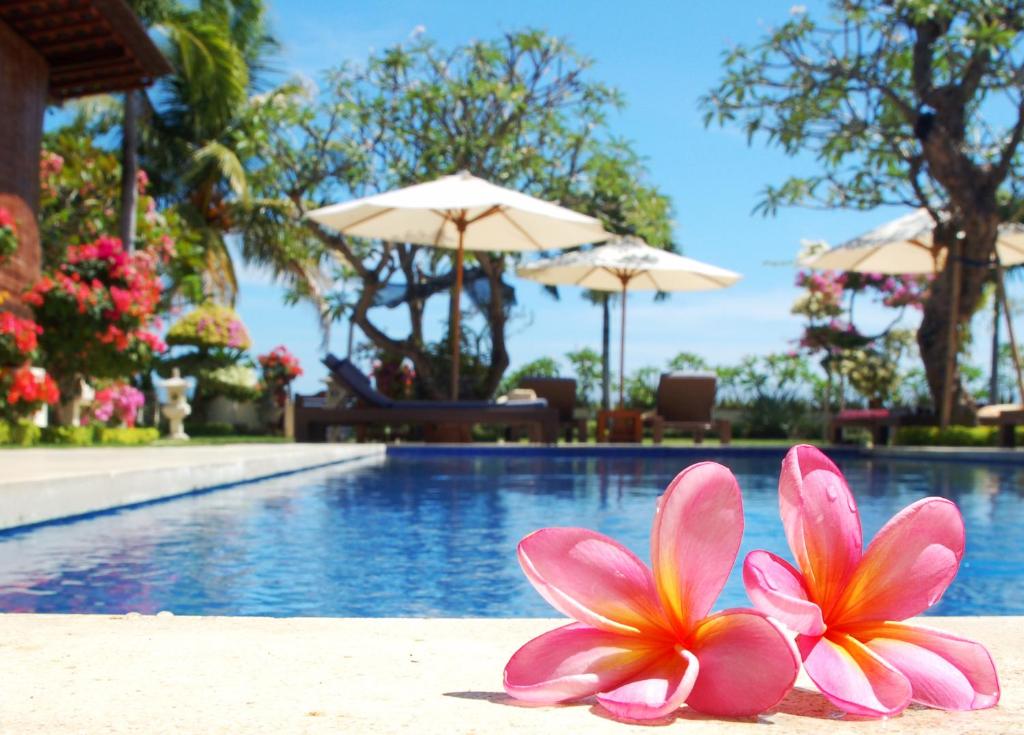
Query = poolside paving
x=38 y=485
x=163 y=674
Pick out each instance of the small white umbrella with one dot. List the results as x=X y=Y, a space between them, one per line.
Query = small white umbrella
x=628 y=264
x=462 y=212
x=906 y=246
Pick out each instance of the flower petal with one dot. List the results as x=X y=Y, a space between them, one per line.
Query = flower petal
x=747 y=664
x=907 y=566
x=657 y=691
x=777 y=589
x=852 y=677
x=944 y=670
x=821 y=522
x=574 y=661
x=591 y=578
x=696 y=535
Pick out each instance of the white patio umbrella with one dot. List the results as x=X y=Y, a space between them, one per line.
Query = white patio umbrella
x=906 y=246
x=462 y=212
x=628 y=264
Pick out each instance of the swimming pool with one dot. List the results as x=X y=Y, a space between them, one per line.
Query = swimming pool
x=430 y=533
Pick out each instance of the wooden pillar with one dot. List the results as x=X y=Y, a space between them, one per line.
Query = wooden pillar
x=24 y=81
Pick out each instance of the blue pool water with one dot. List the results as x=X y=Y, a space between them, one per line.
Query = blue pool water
x=429 y=535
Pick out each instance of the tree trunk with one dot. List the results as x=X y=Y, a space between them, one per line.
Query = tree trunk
x=979 y=230
x=606 y=340
x=129 y=169
x=993 y=384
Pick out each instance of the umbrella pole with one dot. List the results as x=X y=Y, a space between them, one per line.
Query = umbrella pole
x=1001 y=286
x=456 y=312
x=946 y=410
x=622 y=348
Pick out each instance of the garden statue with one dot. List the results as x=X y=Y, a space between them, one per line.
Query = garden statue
x=176 y=408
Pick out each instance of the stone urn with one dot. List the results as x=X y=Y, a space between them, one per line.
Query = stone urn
x=176 y=408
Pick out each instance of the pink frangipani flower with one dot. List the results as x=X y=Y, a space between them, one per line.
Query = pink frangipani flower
x=845 y=603
x=643 y=642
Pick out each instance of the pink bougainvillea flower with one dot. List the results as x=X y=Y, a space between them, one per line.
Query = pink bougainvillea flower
x=845 y=604
x=644 y=642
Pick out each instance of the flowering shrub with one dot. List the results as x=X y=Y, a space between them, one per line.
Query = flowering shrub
x=97 y=311
x=8 y=235
x=25 y=392
x=22 y=391
x=118 y=404
x=238 y=382
x=19 y=339
x=870 y=363
x=210 y=326
x=280 y=367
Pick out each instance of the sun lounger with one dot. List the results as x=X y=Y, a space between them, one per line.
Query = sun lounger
x=440 y=419
x=879 y=421
x=1006 y=416
x=685 y=402
x=560 y=393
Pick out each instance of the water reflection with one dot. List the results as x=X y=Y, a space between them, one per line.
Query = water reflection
x=421 y=536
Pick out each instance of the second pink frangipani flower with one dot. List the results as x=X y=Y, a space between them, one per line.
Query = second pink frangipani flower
x=845 y=603
x=642 y=642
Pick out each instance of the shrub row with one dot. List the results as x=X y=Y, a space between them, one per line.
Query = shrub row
x=25 y=434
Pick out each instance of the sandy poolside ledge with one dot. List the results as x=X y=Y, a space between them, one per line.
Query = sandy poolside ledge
x=45 y=484
x=166 y=674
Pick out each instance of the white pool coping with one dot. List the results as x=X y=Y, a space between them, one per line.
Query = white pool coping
x=162 y=674
x=40 y=485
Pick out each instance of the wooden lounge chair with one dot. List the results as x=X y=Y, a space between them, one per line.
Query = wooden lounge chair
x=1007 y=417
x=686 y=401
x=879 y=421
x=560 y=393
x=438 y=418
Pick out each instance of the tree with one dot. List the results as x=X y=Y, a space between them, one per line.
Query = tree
x=217 y=49
x=518 y=111
x=588 y=367
x=906 y=102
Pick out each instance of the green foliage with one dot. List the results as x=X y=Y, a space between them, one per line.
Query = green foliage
x=122 y=436
x=688 y=362
x=776 y=392
x=210 y=428
x=642 y=387
x=542 y=367
x=586 y=366
x=953 y=436
x=850 y=89
x=237 y=382
x=72 y=436
x=20 y=433
x=874 y=370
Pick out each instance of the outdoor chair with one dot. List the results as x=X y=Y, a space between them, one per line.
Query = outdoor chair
x=686 y=402
x=1007 y=417
x=560 y=393
x=881 y=422
x=440 y=420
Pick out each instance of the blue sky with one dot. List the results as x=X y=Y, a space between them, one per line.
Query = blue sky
x=662 y=56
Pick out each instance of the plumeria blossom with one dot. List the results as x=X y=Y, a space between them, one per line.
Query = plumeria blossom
x=846 y=603
x=643 y=641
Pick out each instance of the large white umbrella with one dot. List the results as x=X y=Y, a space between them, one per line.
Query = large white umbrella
x=628 y=264
x=907 y=245
x=462 y=212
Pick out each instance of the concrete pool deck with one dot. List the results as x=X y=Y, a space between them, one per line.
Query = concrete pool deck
x=39 y=485
x=154 y=674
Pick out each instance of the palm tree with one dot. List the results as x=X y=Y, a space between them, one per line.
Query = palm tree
x=219 y=51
